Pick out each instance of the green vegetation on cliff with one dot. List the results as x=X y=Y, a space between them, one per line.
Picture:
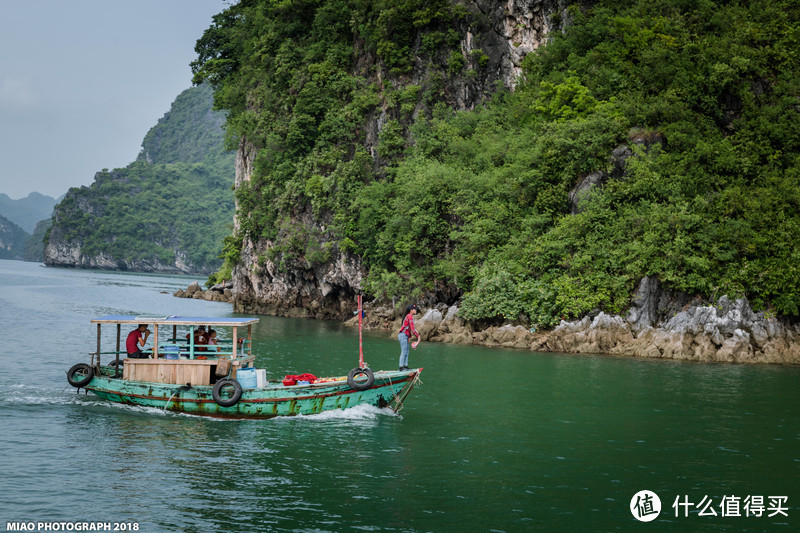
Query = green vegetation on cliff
x=34 y=247
x=704 y=95
x=172 y=207
x=12 y=240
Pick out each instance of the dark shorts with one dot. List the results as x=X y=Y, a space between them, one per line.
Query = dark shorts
x=138 y=354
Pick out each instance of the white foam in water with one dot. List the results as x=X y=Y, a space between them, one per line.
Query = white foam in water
x=18 y=394
x=359 y=412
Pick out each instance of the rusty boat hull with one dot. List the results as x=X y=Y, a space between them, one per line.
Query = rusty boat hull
x=389 y=390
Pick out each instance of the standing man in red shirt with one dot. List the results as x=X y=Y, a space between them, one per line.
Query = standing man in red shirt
x=135 y=342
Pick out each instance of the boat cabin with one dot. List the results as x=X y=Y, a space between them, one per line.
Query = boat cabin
x=172 y=354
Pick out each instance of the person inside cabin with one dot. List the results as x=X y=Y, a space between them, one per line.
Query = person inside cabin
x=405 y=335
x=136 y=341
x=200 y=339
x=212 y=339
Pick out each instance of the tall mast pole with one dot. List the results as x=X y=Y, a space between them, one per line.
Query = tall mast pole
x=360 y=344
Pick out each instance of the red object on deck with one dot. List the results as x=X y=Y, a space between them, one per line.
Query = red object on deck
x=292 y=379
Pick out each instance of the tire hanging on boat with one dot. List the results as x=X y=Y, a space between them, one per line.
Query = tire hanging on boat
x=216 y=392
x=81 y=369
x=360 y=385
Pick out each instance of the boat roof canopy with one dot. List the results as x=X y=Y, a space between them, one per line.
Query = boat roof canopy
x=174 y=320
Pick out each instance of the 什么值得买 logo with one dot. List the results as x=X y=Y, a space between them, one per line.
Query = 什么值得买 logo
x=645 y=506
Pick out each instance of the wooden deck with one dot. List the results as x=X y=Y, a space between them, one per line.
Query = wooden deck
x=178 y=371
x=175 y=371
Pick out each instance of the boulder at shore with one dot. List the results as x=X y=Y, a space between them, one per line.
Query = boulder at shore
x=221 y=292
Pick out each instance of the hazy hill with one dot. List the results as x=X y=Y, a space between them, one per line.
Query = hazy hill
x=166 y=212
x=12 y=240
x=26 y=212
x=34 y=247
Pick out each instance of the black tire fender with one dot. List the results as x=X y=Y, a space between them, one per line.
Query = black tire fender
x=82 y=369
x=227 y=402
x=360 y=385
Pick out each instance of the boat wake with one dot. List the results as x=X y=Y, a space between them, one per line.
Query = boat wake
x=20 y=395
x=359 y=413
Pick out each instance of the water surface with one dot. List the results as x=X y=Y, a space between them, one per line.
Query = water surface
x=494 y=440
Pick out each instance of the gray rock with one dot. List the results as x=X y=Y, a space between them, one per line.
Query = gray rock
x=579 y=192
x=427 y=325
x=193 y=288
x=643 y=312
x=619 y=160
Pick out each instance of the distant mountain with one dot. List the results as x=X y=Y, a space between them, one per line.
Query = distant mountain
x=34 y=247
x=26 y=212
x=188 y=132
x=168 y=211
x=12 y=240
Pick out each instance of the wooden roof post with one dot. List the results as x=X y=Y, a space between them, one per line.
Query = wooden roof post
x=98 y=344
x=116 y=369
x=235 y=345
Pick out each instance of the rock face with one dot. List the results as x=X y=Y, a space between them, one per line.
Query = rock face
x=295 y=288
x=727 y=331
x=511 y=30
x=658 y=325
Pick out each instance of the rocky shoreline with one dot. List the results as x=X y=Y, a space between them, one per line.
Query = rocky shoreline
x=221 y=292
x=658 y=325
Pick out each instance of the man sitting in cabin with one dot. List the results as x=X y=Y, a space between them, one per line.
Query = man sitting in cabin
x=200 y=339
x=135 y=342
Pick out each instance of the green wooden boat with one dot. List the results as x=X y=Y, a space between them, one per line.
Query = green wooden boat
x=185 y=373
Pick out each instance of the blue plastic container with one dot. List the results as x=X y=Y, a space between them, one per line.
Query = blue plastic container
x=247 y=378
x=171 y=352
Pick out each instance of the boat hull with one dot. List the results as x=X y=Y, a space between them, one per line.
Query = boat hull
x=388 y=390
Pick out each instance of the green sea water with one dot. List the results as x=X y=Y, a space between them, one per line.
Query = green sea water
x=493 y=439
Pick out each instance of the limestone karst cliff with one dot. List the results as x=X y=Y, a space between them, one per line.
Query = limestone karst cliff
x=488 y=43
x=528 y=162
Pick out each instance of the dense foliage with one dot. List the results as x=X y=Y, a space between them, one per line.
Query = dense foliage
x=174 y=203
x=34 y=247
x=190 y=132
x=704 y=93
x=285 y=72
